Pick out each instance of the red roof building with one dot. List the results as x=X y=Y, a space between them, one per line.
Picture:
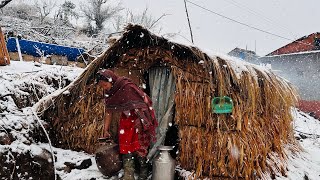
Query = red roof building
x=299 y=62
x=306 y=43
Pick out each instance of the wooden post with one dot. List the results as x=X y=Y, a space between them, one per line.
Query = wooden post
x=4 y=55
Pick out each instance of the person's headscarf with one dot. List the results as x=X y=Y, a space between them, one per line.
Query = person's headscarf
x=107 y=75
x=124 y=94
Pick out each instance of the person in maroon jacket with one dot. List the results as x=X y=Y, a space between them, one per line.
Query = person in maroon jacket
x=137 y=122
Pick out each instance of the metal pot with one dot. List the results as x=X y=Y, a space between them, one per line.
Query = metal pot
x=163 y=165
x=108 y=158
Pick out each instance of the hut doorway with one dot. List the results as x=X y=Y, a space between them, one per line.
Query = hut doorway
x=162 y=90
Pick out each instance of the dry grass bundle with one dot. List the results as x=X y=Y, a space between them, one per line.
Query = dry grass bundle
x=76 y=112
x=226 y=155
x=242 y=144
x=82 y=119
x=237 y=144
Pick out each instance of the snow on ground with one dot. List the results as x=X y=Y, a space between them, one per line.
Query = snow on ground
x=300 y=166
x=305 y=165
x=64 y=155
x=23 y=68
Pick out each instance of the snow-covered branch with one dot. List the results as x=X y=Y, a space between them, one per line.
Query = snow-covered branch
x=4 y=3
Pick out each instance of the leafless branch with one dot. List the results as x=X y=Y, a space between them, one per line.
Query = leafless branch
x=47 y=135
x=144 y=18
x=44 y=8
x=156 y=21
x=14 y=168
x=99 y=11
x=4 y=3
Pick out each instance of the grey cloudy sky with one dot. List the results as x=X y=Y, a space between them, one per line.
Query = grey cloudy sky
x=288 y=18
x=291 y=19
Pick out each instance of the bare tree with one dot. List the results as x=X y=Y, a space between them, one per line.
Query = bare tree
x=20 y=10
x=4 y=3
x=44 y=8
x=144 y=19
x=66 y=12
x=99 y=11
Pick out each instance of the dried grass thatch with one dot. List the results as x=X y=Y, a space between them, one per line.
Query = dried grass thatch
x=236 y=145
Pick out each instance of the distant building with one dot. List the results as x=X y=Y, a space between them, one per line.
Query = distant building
x=244 y=54
x=299 y=63
x=306 y=43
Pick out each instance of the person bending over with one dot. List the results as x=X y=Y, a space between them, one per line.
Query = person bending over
x=137 y=122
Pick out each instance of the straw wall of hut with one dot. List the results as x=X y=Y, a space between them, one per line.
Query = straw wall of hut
x=239 y=144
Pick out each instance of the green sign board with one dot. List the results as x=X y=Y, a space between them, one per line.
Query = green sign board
x=222 y=105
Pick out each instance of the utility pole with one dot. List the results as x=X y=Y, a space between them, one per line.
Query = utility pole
x=185 y=5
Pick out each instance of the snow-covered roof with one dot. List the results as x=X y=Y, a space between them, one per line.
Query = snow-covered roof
x=293 y=54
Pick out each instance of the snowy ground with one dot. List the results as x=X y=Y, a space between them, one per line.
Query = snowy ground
x=300 y=166
x=307 y=163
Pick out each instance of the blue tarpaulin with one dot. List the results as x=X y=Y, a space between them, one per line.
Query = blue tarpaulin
x=30 y=48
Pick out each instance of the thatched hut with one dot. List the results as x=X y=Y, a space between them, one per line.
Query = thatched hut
x=247 y=143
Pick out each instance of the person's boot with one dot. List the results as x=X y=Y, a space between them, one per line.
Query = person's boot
x=143 y=174
x=128 y=166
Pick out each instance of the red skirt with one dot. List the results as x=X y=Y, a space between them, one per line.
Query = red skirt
x=132 y=137
x=128 y=134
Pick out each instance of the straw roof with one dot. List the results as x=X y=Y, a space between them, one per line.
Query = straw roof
x=241 y=144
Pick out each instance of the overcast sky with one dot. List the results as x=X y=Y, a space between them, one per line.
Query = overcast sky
x=291 y=19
